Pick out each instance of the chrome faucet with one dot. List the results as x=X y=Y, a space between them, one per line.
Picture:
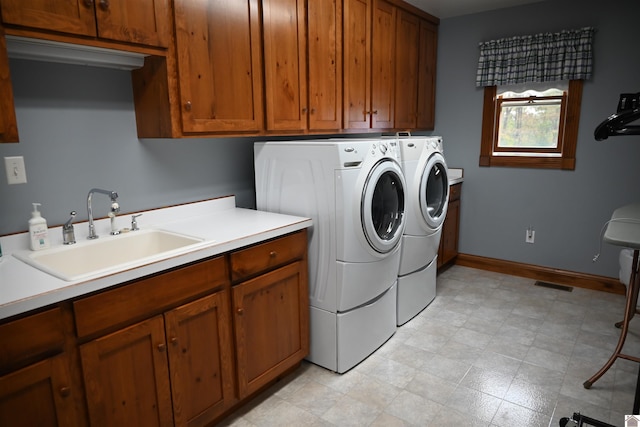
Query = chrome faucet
x=115 y=208
x=68 y=233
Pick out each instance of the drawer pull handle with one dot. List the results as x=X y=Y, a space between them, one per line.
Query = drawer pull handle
x=65 y=391
x=240 y=311
x=273 y=254
x=162 y=347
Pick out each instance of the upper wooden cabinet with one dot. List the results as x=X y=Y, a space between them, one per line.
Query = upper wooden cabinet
x=415 y=72
x=324 y=19
x=219 y=65
x=285 y=68
x=145 y=22
x=297 y=33
x=369 y=69
x=427 y=56
x=8 y=122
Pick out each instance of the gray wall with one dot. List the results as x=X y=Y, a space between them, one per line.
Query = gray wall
x=77 y=130
x=567 y=209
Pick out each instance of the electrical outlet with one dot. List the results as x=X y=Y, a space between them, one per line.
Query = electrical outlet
x=530 y=235
x=16 y=173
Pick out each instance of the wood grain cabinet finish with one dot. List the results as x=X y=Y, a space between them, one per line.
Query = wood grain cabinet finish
x=145 y=22
x=369 y=68
x=270 y=309
x=219 y=65
x=448 y=250
x=172 y=369
x=427 y=58
x=415 y=72
x=271 y=319
x=36 y=385
x=39 y=395
x=8 y=122
x=297 y=33
x=200 y=359
x=324 y=20
x=126 y=376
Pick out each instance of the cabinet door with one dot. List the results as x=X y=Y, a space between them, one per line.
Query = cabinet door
x=200 y=359
x=8 y=122
x=285 y=72
x=126 y=377
x=427 y=75
x=144 y=22
x=406 y=91
x=357 y=64
x=383 y=73
x=271 y=318
x=67 y=16
x=38 y=395
x=324 y=19
x=219 y=65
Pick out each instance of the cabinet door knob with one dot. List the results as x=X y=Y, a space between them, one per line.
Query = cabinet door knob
x=65 y=391
x=313 y=111
x=187 y=106
x=174 y=340
x=375 y=111
x=104 y=4
x=88 y=3
x=162 y=347
x=240 y=311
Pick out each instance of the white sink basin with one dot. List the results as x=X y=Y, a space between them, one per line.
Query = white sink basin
x=110 y=254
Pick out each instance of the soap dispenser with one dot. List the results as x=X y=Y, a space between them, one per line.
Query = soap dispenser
x=38 y=231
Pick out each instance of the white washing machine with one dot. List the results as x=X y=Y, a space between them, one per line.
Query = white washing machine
x=354 y=191
x=425 y=171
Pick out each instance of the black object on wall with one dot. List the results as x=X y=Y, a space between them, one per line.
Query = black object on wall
x=617 y=124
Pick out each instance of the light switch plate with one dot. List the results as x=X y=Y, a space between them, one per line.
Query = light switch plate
x=16 y=173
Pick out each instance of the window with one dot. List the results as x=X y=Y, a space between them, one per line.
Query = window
x=535 y=124
x=531 y=125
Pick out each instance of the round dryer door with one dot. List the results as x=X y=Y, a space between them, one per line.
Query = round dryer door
x=434 y=191
x=382 y=209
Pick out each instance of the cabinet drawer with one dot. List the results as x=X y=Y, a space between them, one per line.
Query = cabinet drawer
x=267 y=256
x=140 y=299
x=31 y=336
x=454 y=191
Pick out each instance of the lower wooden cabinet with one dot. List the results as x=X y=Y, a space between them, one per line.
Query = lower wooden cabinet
x=448 y=250
x=172 y=369
x=200 y=359
x=126 y=376
x=39 y=395
x=271 y=325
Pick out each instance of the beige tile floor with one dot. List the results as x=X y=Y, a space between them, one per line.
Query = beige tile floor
x=490 y=350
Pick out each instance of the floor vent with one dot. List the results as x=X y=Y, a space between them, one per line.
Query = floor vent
x=554 y=286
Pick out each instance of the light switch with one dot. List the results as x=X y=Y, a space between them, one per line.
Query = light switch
x=16 y=173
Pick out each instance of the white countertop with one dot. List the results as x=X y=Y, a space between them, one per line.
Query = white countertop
x=455 y=175
x=223 y=226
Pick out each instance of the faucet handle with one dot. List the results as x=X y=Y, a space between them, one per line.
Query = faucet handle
x=134 y=222
x=68 y=233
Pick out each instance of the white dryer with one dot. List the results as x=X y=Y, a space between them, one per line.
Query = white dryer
x=425 y=171
x=354 y=191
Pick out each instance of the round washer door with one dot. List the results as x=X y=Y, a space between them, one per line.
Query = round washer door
x=434 y=191
x=382 y=206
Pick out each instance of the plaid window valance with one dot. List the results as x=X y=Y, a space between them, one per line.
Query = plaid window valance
x=544 y=57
